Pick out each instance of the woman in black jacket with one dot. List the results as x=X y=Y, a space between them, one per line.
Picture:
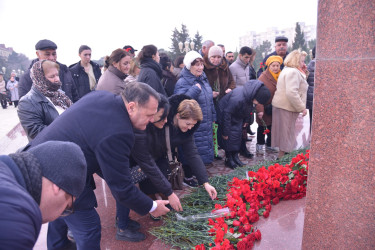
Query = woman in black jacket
x=45 y=101
x=234 y=107
x=151 y=72
x=86 y=73
x=169 y=79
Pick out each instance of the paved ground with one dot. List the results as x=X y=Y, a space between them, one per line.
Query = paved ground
x=282 y=230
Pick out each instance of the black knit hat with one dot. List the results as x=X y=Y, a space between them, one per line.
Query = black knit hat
x=63 y=163
x=262 y=95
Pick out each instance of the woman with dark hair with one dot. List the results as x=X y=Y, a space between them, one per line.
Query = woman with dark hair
x=117 y=64
x=151 y=71
x=86 y=73
x=193 y=83
x=169 y=79
x=45 y=101
x=178 y=66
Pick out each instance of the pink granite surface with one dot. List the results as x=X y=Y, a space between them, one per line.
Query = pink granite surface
x=340 y=202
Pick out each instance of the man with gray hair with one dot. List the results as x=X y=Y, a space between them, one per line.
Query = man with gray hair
x=36 y=187
x=206 y=45
x=102 y=125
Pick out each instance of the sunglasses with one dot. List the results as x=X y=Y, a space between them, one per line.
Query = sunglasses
x=68 y=210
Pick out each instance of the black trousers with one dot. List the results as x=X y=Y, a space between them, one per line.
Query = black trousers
x=261 y=137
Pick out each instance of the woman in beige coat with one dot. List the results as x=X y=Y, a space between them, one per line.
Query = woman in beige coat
x=289 y=100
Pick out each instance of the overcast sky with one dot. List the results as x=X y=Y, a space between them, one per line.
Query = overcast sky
x=107 y=25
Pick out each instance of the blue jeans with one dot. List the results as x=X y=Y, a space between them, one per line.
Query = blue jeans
x=85 y=226
x=122 y=215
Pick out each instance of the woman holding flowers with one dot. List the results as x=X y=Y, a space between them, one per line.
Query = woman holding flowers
x=264 y=112
x=289 y=100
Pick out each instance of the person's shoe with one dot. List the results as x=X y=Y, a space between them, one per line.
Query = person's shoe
x=272 y=149
x=70 y=246
x=190 y=182
x=251 y=132
x=229 y=162
x=70 y=235
x=237 y=160
x=129 y=235
x=248 y=137
x=260 y=149
x=132 y=224
x=246 y=153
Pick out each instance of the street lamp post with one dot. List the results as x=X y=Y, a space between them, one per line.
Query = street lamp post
x=186 y=49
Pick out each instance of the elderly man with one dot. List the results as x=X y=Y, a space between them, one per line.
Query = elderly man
x=36 y=187
x=46 y=50
x=206 y=45
x=102 y=125
x=281 y=49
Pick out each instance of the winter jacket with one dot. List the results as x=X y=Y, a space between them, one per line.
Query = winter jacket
x=35 y=112
x=203 y=136
x=20 y=215
x=310 y=81
x=169 y=82
x=219 y=77
x=66 y=79
x=112 y=80
x=151 y=73
x=240 y=72
x=81 y=78
x=260 y=71
x=130 y=79
x=234 y=107
x=3 y=89
x=100 y=125
x=270 y=82
x=291 y=90
x=252 y=73
x=13 y=88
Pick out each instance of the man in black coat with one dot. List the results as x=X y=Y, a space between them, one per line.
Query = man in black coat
x=102 y=123
x=86 y=73
x=35 y=188
x=46 y=50
x=281 y=49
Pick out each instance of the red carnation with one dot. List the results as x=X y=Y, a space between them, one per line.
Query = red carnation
x=236 y=223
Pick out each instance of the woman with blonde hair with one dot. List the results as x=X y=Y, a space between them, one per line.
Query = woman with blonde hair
x=134 y=70
x=289 y=100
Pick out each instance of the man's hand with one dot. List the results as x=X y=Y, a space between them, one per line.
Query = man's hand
x=215 y=94
x=198 y=85
x=304 y=112
x=210 y=190
x=260 y=115
x=225 y=137
x=175 y=202
x=227 y=91
x=161 y=209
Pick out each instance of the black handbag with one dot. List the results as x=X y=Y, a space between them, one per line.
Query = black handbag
x=137 y=174
x=176 y=176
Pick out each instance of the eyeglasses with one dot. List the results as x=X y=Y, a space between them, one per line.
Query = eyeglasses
x=68 y=210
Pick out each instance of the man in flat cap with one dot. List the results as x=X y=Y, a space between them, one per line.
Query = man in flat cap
x=281 y=49
x=36 y=187
x=130 y=50
x=46 y=50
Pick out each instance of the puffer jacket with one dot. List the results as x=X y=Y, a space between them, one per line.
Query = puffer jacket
x=203 y=136
x=112 y=80
x=151 y=73
x=35 y=112
x=234 y=107
x=310 y=81
x=68 y=85
x=81 y=78
x=240 y=72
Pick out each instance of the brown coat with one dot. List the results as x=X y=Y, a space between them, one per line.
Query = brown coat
x=270 y=82
x=222 y=72
x=112 y=80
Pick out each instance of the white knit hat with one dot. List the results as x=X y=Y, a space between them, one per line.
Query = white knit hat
x=215 y=51
x=190 y=57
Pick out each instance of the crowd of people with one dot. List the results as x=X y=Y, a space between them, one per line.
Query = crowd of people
x=136 y=113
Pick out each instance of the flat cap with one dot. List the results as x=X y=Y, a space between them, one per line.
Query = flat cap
x=45 y=44
x=281 y=39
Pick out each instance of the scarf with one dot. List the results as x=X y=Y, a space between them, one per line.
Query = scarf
x=303 y=72
x=275 y=76
x=31 y=172
x=48 y=88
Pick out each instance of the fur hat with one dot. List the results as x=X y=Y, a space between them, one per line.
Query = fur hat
x=215 y=51
x=63 y=163
x=190 y=57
